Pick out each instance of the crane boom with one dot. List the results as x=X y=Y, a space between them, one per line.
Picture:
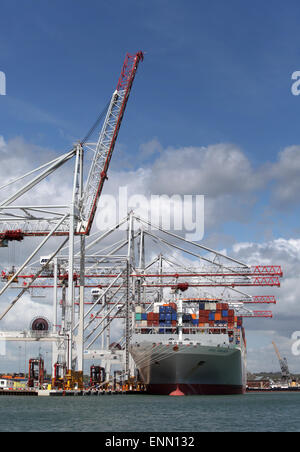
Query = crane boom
x=283 y=364
x=277 y=351
x=106 y=142
x=19 y=221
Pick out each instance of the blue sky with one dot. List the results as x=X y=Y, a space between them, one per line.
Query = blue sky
x=214 y=72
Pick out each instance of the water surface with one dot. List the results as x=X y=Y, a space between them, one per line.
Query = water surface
x=271 y=412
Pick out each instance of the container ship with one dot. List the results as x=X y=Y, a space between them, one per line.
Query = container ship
x=190 y=347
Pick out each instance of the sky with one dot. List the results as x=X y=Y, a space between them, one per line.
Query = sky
x=211 y=113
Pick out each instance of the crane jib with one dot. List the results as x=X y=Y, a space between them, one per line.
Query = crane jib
x=107 y=140
x=84 y=203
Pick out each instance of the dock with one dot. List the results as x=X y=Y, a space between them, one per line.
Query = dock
x=54 y=393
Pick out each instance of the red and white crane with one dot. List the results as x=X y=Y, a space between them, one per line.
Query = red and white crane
x=18 y=220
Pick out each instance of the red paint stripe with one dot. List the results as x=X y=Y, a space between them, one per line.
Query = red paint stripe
x=195 y=389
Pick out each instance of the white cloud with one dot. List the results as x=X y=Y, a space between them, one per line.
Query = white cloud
x=24 y=312
x=285 y=253
x=149 y=149
x=215 y=170
x=286 y=173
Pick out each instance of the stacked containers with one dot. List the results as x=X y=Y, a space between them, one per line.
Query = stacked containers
x=231 y=319
x=204 y=314
x=217 y=316
x=213 y=314
x=167 y=317
x=139 y=313
x=174 y=314
x=153 y=319
x=195 y=321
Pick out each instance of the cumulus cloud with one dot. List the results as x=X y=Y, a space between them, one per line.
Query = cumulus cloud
x=149 y=149
x=286 y=174
x=215 y=170
x=24 y=312
x=222 y=173
x=18 y=158
x=284 y=252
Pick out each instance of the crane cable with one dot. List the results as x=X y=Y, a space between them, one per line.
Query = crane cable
x=96 y=124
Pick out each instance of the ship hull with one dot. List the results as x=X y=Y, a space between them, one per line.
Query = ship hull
x=193 y=370
x=195 y=389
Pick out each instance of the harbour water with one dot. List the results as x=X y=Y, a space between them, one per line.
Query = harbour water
x=272 y=412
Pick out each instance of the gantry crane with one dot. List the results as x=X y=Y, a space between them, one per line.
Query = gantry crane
x=18 y=221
